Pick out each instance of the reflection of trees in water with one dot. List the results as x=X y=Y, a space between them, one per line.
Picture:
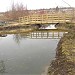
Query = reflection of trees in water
x=19 y=37
x=2 y=66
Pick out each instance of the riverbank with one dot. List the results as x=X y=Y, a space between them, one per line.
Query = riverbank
x=16 y=29
x=64 y=63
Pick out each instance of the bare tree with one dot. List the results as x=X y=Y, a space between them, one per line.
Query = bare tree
x=16 y=11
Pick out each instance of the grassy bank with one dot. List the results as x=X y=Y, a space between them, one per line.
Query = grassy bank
x=64 y=63
x=66 y=26
x=16 y=29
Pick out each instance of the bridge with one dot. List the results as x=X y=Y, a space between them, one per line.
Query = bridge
x=46 y=18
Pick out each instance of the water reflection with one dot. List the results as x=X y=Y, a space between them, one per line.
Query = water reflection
x=2 y=66
x=19 y=37
x=35 y=50
x=38 y=35
x=46 y=35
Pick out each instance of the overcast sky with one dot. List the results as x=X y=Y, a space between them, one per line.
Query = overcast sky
x=36 y=4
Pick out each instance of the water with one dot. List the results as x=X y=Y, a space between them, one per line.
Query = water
x=51 y=27
x=27 y=53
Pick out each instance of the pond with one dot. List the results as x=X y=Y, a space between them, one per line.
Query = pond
x=28 y=53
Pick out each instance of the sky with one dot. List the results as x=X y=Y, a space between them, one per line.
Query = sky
x=36 y=4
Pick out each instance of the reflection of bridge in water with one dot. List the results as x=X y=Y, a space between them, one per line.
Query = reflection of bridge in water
x=41 y=34
x=46 y=34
